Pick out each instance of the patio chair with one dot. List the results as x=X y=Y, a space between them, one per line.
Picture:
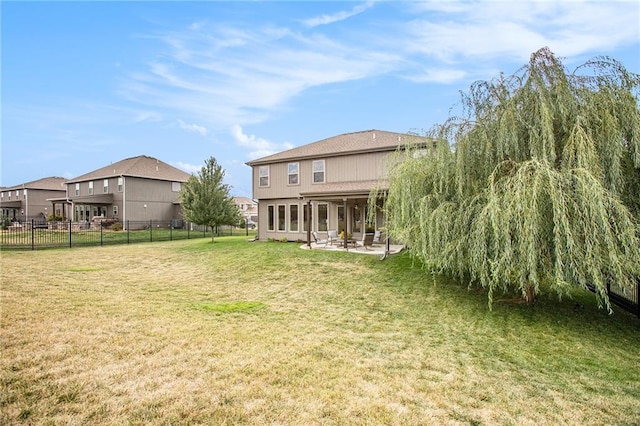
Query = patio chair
x=366 y=241
x=377 y=237
x=317 y=239
x=332 y=236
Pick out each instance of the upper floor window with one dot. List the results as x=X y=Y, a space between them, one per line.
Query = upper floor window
x=318 y=171
x=9 y=195
x=77 y=189
x=105 y=186
x=25 y=194
x=2 y=195
x=17 y=195
x=120 y=184
x=263 y=174
x=175 y=186
x=293 y=170
x=91 y=188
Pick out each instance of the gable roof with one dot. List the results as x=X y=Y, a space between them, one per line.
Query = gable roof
x=141 y=166
x=52 y=183
x=347 y=143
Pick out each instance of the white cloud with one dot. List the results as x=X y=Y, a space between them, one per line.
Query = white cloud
x=193 y=128
x=336 y=17
x=259 y=147
x=455 y=32
x=219 y=75
x=189 y=168
x=438 y=75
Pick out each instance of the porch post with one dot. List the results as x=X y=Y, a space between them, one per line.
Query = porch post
x=309 y=223
x=346 y=223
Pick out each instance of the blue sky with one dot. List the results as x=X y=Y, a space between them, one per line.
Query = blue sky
x=85 y=84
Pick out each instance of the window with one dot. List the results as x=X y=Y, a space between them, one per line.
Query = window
x=120 y=184
x=77 y=189
x=25 y=194
x=356 y=219
x=341 y=221
x=263 y=173
x=2 y=195
x=17 y=195
x=323 y=218
x=91 y=188
x=115 y=210
x=282 y=220
x=293 y=218
x=9 y=195
x=318 y=171
x=175 y=186
x=293 y=170
x=307 y=216
x=105 y=186
x=271 y=218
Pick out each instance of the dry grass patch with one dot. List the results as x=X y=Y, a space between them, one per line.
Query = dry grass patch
x=193 y=332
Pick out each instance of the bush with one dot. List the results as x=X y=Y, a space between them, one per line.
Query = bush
x=116 y=226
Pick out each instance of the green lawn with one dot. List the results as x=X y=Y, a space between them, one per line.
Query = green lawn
x=233 y=332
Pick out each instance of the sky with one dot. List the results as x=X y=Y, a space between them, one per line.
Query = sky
x=87 y=84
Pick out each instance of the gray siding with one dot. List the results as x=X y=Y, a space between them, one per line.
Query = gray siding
x=359 y=167
x=156 y=195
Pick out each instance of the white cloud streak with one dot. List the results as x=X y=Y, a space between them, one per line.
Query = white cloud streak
x=259 y=147
x=336 y=17
x=223 y=75
x=193 y=128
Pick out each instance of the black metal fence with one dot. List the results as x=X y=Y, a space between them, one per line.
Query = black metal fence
x=34 y=234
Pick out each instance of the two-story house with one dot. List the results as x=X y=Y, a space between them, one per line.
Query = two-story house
x=324 y=185
x=29 y=200
x=134 y=189
x=249 y=210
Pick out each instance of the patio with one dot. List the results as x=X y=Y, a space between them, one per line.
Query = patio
x=376 y=249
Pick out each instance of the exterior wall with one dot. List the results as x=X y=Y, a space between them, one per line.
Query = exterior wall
x=357 y=167
x=149 y=199
x=33 y=205
x=347 y=168
x=355 y=213
x=98 y=192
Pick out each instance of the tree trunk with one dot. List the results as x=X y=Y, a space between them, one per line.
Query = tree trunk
x=529 y=294
x=211 y=233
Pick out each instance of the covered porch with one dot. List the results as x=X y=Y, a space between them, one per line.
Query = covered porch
x=344 y=208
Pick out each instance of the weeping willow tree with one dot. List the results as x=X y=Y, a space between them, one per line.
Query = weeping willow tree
x=535 y=186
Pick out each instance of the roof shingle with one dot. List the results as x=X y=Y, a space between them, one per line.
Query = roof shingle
x=141 y=166
x=347 y=143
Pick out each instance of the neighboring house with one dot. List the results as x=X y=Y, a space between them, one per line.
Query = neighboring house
x=249 y=210
x=29 y=200
x=324 y=185
x=135 y=189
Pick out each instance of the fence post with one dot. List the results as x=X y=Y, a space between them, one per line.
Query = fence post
x=170 y=231
x=70 y=233
x=100 y=232
x=151 y=230
x=33 y=235
x=128 y=230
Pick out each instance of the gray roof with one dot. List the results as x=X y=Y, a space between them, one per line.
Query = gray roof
x=141 y=166
x=52 y=183
x=347 y=143
x=342 y=189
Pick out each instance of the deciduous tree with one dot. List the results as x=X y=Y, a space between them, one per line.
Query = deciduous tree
x=206 y=200
x=535 y=185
